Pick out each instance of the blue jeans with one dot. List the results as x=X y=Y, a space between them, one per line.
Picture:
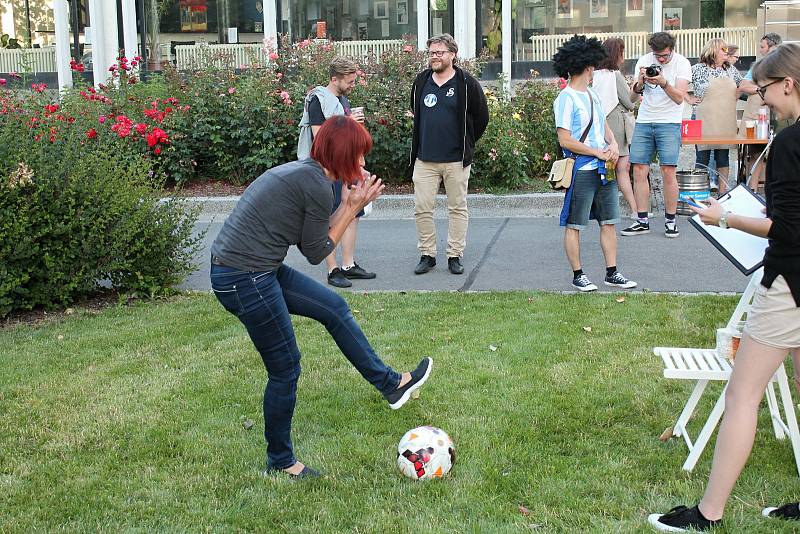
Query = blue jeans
x=263 y=302
x=651 y=137
x=590 y=196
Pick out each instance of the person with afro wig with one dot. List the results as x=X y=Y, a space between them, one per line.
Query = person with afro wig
x=584 y=134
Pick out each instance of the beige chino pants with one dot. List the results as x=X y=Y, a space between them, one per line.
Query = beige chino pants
x=427 y=177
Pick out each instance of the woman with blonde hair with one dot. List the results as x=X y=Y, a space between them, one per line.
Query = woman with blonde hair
x=615 y=95
x=713 y=64
x=773 y=322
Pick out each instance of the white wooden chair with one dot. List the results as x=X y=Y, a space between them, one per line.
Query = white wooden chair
x=704 y=365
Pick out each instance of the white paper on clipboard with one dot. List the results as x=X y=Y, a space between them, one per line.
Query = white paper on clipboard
x=744 y=250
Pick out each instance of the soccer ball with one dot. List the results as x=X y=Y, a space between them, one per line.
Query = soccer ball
x=425 y=452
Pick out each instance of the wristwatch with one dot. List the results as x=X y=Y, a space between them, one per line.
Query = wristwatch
x=723 y=220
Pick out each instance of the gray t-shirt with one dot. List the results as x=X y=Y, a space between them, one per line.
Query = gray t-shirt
x=285 y=206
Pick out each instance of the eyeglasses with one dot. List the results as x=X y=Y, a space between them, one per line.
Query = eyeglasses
x=437 y=53
x=762 y=89
x=663 y=56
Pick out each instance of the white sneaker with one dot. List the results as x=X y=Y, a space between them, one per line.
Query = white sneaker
x=582 y=283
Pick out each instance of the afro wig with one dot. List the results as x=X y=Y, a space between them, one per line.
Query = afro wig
x=575 y=55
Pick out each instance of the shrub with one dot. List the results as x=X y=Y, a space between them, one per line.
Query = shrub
x=81 y=208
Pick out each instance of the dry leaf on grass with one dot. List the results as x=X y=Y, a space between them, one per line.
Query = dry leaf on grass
x=587 y=328
x=620 y=299
x=524 y=511
x=492 y=348
x=666 y=434
x=247 y=424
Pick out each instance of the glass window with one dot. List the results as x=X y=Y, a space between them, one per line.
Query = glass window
x=349 y=20
x=194 y=15
x=441 y=17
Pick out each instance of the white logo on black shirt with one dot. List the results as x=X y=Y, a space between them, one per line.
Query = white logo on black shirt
x=450 y=92
x=430 y=100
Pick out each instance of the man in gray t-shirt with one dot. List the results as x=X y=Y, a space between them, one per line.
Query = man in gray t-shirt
x=321 y=104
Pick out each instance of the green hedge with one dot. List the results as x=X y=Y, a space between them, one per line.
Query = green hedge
x=78 y=211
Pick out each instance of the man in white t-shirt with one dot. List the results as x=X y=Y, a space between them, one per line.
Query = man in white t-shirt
x=663 y=79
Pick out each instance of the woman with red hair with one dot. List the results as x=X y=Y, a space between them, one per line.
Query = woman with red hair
x=290 y=205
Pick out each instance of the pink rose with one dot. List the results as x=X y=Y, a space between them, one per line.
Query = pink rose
x=273 y=56
x=231 y=90
x=102 y=119
x=3 y=82
x=546 y=156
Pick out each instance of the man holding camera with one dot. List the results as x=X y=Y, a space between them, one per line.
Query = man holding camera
x=663 y=79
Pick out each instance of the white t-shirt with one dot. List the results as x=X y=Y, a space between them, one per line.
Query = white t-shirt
x=657 y=106
x=571 y=109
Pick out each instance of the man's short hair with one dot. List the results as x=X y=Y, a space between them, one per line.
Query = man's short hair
x=445 y=39
x=342 y=66
x=772 y=39
x=661 y=40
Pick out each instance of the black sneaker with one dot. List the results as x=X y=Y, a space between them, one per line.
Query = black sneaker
x=336 y=278
x=356 y=272
x=681 y=519
x=455 y=266
x=582 y=283
x=426 y=263
x=399 y=396
x=637 y=228
x=789 y=511
x=617 y=280
x=671 y=229
x=307 y=472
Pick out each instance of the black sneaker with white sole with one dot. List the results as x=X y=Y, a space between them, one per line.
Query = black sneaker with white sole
x=789 y=511
x=617 y=280
x=671 y=229
x=681 y=519
x=356 y=272
x=637 y=228
x=582 y=283
x=400 y=396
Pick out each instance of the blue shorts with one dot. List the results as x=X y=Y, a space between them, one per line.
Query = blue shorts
x=589 y=195
x=337 y=198
x=649 y=137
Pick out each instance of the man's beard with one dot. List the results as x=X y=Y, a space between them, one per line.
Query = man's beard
x=441 y=67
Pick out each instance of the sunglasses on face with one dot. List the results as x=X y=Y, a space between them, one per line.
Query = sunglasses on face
x=762 y=89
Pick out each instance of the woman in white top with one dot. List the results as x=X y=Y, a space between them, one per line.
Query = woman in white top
x=614 y=92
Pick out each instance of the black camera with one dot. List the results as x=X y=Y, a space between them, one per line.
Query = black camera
x=652 y=71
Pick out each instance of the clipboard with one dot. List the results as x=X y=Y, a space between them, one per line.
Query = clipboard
x=745 y=251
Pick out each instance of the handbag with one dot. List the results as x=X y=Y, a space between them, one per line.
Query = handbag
x=561 y=172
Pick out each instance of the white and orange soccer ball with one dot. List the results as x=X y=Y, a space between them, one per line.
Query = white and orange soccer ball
x=425 y=452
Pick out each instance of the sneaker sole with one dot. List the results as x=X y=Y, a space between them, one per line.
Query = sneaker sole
x=766 y=511
x=621 y=286
x=341 y=286
x=360 y=277
x=642 y=232
x=584 y=289
x=407 y=395
x=653 y=519
x=672 y=236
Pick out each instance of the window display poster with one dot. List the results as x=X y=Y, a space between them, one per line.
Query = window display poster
x=598 y=9
x=563 y=9
x=363 y=33
x=402 y=11
x=672 y=18
x=385 y=28
x=634 y=8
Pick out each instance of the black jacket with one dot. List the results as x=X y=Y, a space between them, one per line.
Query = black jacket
x=471 y=105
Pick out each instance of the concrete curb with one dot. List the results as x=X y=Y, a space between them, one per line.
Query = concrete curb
x=402 y=206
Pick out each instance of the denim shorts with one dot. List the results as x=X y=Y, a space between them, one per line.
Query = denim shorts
x=649 y=137
x=337 y=198
x=590 y=195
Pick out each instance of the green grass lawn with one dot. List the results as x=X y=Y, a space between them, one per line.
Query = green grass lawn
x=132 y=419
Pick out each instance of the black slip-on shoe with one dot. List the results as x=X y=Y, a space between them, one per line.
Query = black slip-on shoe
x=356 y=272
x=336 y=278
x=455 y=265
x=681 y=519
x=789 y=511
x=400 y=396
x=426 y=263
x=307 y=472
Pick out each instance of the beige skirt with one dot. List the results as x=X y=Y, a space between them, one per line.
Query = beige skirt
x=622 y=132
x=774 y=319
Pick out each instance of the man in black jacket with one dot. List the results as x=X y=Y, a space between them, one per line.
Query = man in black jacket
x=450 y=115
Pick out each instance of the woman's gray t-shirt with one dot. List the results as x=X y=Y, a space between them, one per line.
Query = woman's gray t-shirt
x=287 y=205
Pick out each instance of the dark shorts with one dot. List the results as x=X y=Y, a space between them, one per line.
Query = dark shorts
x=589 y=194
x=337 y=197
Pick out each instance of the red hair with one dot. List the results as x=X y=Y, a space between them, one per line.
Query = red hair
x=339 y=145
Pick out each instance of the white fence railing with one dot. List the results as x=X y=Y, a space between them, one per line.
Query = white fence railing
x=28 y=60
x=689 y=42
x=239 y=55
